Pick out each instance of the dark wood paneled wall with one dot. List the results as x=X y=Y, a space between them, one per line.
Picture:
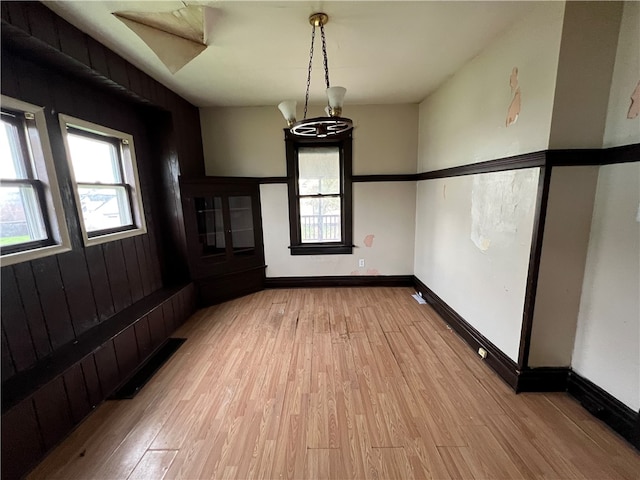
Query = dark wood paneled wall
x=76 y=325
x=51 y=301
x=39 y=421
x=37 y=33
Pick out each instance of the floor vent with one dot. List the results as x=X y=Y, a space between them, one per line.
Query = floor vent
x=148 y=369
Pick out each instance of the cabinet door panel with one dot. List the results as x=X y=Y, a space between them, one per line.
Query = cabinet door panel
x=241 y=224
x=210 y=224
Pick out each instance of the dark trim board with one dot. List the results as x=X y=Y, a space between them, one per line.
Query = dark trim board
x=496 y=359
x=516 y=162
x=340 y=281
x=605 y=407
x=543 y=379
x=535 y=254
x=548 y=158
x=401 y=177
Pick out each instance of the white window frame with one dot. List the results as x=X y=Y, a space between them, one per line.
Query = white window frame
x=130 y=172
x=46 y=173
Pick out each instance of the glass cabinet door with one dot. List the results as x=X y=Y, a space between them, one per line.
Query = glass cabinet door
x=210 y=222
x=241 y=222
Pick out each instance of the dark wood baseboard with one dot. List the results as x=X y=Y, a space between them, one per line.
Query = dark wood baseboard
x=340 y=281
x=496 y=359
x=605 y=407
x=543 y=379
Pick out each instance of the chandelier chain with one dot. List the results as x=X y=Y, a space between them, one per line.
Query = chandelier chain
x=324 y=54
x=306 y=98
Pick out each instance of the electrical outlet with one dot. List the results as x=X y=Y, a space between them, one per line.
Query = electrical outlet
x=482 y=352
x=361 y=263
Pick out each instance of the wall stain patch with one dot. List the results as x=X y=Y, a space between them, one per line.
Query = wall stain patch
x=498 y=201
x=514 y=108
x=368 y=240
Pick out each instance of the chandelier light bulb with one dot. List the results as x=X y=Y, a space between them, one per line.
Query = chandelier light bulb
x=336 y=100
x=288 y=109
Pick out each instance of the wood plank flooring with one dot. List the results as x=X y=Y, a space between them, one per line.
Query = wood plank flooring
x=334 y=383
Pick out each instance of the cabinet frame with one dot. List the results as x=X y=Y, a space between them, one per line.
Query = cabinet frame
x=212 y=273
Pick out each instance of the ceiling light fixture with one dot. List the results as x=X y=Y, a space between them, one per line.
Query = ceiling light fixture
x=318 y=127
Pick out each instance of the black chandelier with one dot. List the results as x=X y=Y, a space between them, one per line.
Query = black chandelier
x=318 y=127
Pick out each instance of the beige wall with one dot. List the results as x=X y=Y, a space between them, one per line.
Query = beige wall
x=587 y=55
x=564 y=252
x=619 y=129
x=250 y=142
x=607 y=346
x=464 y=120
x=384 y=210
x=473 y=237
x=473 y=234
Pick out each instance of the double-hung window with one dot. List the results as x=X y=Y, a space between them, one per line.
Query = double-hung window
x=32 y=223
x=104 y=172
x=319 y=181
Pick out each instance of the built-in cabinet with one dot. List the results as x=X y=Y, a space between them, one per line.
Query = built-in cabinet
x=224 y=237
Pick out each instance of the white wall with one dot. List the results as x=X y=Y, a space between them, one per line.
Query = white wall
x=620 y=130
x=384 y=210
x=607 y=346
x=473 y=233
x=562 y=263
x=473 y=238
x=250 y=142
x=464 y=120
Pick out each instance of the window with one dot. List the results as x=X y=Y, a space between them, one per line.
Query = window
x=319 y=179
x=103 y=169
x=31 y=214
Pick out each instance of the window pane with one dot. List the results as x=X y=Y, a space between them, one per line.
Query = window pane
x=320 y=219
x=94 y=160
x=104 y=207
x=20 y=215
x=242 y=237
x=319 y=170
x=210 y=225
x=12 y=161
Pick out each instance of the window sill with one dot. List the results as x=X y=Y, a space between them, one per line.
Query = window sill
x=110 y=237
x=321 y=249
x=27 y=255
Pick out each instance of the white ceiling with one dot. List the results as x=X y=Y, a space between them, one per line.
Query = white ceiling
x=381 y=51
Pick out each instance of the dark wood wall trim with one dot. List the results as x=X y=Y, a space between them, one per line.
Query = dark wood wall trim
x=605 y=407
x=402 y=177
x=623 y=154
x=496 y=359
x=340 y=281
x=543 y=379
x=550 y=158
x=269 y=180
x=594 y=156
x=41 y=407
x=516 y=162
x=540 y=215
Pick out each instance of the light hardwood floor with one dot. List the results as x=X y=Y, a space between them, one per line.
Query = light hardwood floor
x=334 y=383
